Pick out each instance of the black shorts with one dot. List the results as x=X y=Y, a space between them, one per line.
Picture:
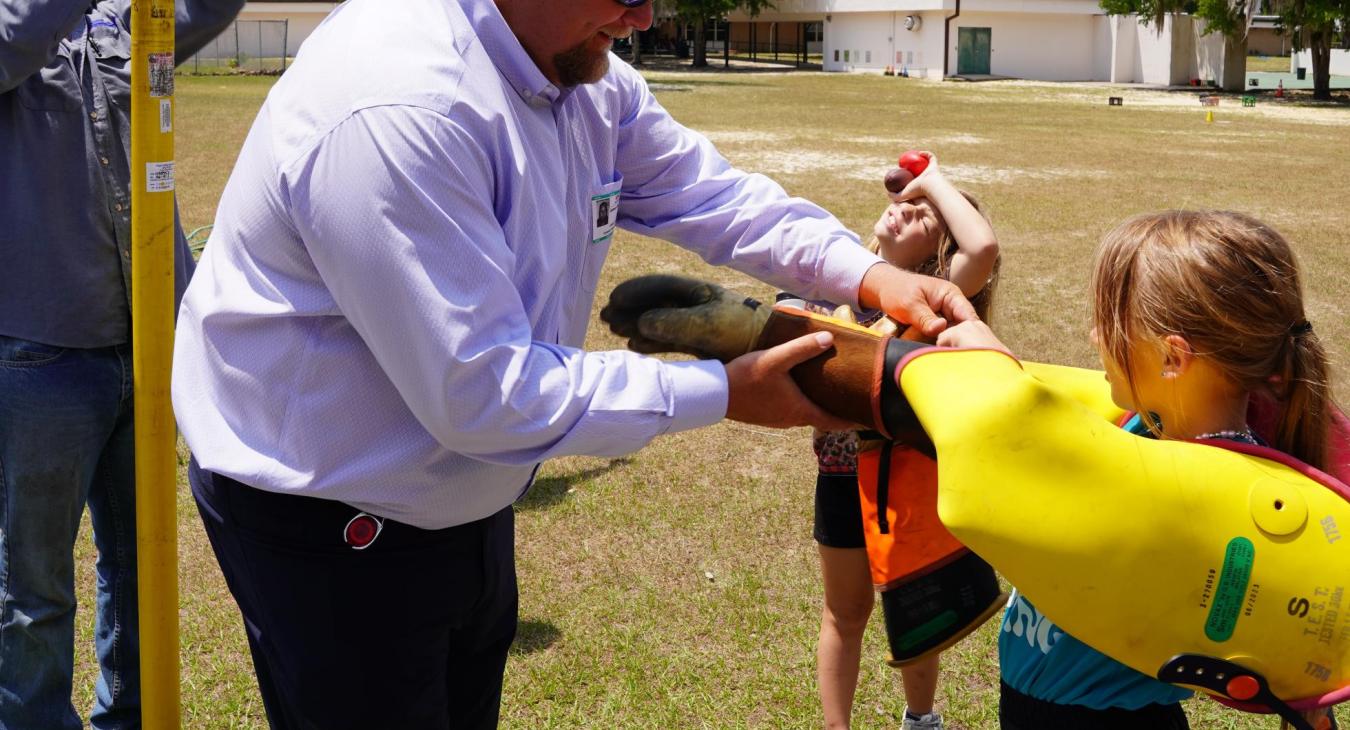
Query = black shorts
x=1017 y=711
x=839 y=521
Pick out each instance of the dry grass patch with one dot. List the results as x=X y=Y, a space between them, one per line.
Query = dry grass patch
x=679 y=587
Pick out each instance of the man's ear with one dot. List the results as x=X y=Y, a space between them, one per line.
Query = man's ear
x=1177 y=356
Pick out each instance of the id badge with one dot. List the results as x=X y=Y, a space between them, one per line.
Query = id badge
x=604 y=214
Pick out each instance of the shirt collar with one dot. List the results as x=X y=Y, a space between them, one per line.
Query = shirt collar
x=506 y=52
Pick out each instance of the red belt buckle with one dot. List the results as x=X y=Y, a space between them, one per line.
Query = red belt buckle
x=362 y=530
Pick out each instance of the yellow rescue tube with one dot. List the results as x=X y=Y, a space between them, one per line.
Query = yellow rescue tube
x=1144 y=549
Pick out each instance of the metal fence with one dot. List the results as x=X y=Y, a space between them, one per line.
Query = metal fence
x=247 y=46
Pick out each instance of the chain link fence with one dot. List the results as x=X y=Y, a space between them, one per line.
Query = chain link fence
x=247 y=46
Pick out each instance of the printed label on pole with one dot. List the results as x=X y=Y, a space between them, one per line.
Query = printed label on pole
x=161 y=74
x=165 y=116
x=158 y=177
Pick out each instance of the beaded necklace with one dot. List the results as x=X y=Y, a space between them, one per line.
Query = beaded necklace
x=1244 y=436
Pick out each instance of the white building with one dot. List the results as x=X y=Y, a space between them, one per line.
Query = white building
x=1340 y=62
x=284 y=26
x=1050 y=40
x=301 y=17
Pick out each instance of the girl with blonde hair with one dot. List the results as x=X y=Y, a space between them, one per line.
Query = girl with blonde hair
x=933 y=228
x=1199 y=318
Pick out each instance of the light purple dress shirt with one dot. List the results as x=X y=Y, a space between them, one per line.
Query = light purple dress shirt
x=401 y=272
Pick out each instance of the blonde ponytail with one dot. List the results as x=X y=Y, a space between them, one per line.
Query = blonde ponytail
x=1303 y=390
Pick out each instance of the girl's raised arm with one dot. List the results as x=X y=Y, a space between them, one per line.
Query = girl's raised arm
x=977 y=245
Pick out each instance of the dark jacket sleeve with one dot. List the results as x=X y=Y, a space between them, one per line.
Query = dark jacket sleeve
x=31 y=32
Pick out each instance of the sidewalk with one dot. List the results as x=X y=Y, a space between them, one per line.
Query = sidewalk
x=716 y=65
x=1269 y=81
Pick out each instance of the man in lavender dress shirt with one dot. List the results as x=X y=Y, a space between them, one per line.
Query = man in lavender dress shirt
x=381 y=343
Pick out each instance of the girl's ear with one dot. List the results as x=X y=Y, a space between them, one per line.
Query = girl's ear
x=1177 y=356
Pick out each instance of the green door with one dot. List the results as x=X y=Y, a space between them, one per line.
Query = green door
x=972 y=50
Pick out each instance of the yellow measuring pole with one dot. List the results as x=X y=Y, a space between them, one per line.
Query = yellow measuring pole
x=152 y=289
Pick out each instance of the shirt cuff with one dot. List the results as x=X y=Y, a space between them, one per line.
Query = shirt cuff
x=841 y=273
x=699 y=394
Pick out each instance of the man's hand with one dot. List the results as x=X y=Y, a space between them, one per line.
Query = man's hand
x=663 y=313
x=972 y=335
x=761 y=392
x=922 y=301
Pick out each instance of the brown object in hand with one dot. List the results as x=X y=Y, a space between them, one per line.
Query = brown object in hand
x=846 y=380
x=897 y=179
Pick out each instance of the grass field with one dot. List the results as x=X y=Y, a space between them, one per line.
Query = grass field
x=678 y=587
x=1277 y=64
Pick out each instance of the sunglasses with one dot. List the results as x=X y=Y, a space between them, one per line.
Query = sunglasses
x=632 y=3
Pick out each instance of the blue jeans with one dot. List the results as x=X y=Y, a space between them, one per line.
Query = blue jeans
x=65 y=440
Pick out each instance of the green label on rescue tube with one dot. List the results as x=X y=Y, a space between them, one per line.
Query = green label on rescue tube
x=1232 y=590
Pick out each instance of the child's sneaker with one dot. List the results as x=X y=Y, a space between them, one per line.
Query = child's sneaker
x=928 y=721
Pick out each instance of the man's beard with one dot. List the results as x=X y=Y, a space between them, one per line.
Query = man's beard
x=580 y=65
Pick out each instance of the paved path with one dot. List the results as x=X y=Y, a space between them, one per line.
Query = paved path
x=1266 y=80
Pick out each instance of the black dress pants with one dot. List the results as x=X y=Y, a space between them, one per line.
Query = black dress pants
x=411 y=632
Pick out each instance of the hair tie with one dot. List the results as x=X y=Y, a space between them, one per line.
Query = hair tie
x=1300 y=328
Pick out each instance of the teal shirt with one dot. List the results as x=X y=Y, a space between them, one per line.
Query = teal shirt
x=1040 y=660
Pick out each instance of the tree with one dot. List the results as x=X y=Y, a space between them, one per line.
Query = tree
x=660 y=10
x=1150 y=12
x=1232 y=19
x=1312 y=26
x=699 y=12
x=1229 y=17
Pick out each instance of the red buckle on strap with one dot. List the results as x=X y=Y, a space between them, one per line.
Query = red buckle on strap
x=362 y=530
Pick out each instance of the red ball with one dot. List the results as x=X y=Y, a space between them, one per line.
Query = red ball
x=914 y=162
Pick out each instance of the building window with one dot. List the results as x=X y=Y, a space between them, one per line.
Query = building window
x=836 y=55
x=815 y=33
x=869 y=57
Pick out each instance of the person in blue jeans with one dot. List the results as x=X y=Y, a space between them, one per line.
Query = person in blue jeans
x=66 y=435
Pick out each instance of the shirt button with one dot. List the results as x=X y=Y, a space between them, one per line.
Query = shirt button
x=118 y=207
x=93 y=116
x=104 y=160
